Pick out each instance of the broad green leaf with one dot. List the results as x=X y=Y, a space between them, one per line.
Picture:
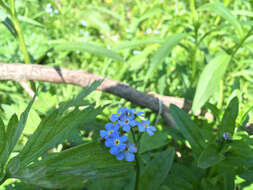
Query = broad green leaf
x=53 y=130
x=15 y=129
x=156 y=171
x=137 y=43
x=228 y=122
x=71 y=167
x=4 y=152
x=221 y=10
x=209 y=80
x=90 y=48
x=159 y=139
x=188 y=129
x=163 y=52
x=210 y=156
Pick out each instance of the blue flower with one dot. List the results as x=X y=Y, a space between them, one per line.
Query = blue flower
x=127 y=122
x=136 y=113
x=111 y=130
x=128 y=153
x=227 y=136
x=117 y=144
x=84 y=24
x=145 y=126
x=119 y=114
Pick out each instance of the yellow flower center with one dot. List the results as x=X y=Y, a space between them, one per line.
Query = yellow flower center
x=118 y=114
x=116 y=142
x=126 y=121
x=110 y=132
x=145 y=125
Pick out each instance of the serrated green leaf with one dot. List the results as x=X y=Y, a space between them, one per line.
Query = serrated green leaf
x=156 y=171
x=163 y=52
x=90 y=48
x=53 y=130
x=221 y=10
x=209 y=80
x=188 y=129
x=73 y=167
x=210 y=157
x=15 y=129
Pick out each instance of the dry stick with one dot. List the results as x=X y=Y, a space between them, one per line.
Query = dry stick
x=24 y=72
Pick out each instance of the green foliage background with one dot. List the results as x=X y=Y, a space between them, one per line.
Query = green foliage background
x=161 y=46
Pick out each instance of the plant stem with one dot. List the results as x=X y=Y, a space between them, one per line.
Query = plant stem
x=137 y=162
x=21 y=39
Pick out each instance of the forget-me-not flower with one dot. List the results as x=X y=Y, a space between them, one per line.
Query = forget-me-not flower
x=110 y=130
x=128 y=153
x=119 y=114
x=127 y=122
x=117 y=144
x=145 y=126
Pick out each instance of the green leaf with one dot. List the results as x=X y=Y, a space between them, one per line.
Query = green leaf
x=188 y=129
x=52 y=131
x=90 y=48
x=221 y=10
x=78 y=100
x=228 y=122
x=15 y=128
x=56 y=126
x=163 y=52
x=72 y=167
x=209 y=80
x=4 y=152
x=210 y=156
x=229 y=180
x=29 y=21
x=156 y=171
x=137 y=43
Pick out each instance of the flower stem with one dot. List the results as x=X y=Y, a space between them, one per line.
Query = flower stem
x=137 y=162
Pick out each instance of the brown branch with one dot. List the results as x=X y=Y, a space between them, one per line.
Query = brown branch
x=23 y=72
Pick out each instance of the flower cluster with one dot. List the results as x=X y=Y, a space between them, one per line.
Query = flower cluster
x=115 y=133
x=50 y=10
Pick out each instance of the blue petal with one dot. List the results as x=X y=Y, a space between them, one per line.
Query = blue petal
x=123 y=138
x=141 y=128
x=153 y=128
x=129 y=157
x=120 y=156
x=108 y=126
x=103 y=133
x=126 y=128
x=116 y=127
x=114 y=150
x=150 y=132
x=122 y=146
x=109 y=143
x=132 y=148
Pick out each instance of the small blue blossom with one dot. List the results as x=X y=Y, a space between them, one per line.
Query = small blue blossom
x=128 y=153
x=136 y=113
x=145 y=126
x=56 y=11
x=227 y=136
x=117 y=144
x=49 y=9
x=149 y=31
x=119 y=114
x=110 y=131
x=84 y=24
x=135 y=52
x=127 y=122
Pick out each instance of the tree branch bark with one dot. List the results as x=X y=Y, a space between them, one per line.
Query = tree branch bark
x=24 y=72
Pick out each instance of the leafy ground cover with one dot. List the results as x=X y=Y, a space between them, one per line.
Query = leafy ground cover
x=199 y=50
